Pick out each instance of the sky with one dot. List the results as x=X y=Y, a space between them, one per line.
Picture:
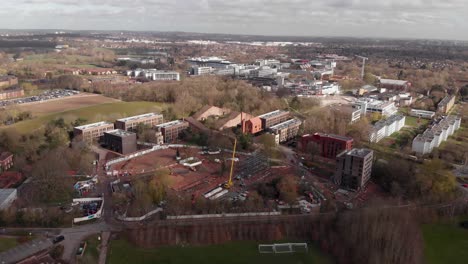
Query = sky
x=443 y=19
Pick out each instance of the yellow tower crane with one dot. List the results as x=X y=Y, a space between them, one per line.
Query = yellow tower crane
x=229 y=183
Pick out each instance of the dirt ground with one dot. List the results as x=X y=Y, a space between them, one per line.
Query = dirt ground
x=65 y=103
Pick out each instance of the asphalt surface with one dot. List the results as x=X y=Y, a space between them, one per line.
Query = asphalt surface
x=25 y=250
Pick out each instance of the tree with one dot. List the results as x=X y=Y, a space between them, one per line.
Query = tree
x=287 y=188
x=68 y=82
x=159 y=185
x=268 y=143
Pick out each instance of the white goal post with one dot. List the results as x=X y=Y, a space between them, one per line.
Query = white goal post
x=283 y=248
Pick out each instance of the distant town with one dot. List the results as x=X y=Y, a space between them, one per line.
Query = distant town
x=119 y=140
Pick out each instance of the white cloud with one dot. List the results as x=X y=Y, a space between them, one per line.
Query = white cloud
x=389 y=18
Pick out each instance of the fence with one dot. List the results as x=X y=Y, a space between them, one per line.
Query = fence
x=202 y=216
x=140 y=218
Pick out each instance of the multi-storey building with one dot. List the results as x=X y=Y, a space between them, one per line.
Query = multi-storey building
x=200 y=70
x=171 y=130
x=11 y=93
x=8 y=80
x=386 y=127
x=273 y=118
x=130 y=123
x=368 y=105
x=328 y=145
x=400 y=85
x=446 y=104
x=422 y=113
x=120 y=141
x=346 y=113
x=354 y=168
x=93 y=131
x=252 y=126
x=436 y=134
x=286 y=130
x=155 y=75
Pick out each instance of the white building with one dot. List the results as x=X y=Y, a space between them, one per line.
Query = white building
x=155 y=75
x=368 y=105
x=201 y=70
x=436 y=134
x=263 y=71
x=387 y=127
x=422 y=113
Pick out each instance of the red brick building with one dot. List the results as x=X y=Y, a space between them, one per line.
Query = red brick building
x=328 y=145
x=252 y=126
x=9 y=179
x=6 y=161
x=11 y=93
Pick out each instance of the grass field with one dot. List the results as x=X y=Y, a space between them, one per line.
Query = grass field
x=64 y=104
x=237 y=252
x=7 y=243
x=91 y=254
x=413 y=121
x=102 y=112
x=445 y=243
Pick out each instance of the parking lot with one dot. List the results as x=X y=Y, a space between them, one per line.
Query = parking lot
x=47 y=95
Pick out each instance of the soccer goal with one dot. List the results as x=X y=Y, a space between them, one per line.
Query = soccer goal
x=283 y=248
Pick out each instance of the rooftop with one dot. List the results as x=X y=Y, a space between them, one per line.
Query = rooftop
x=93 y=125
x=5 y=193
x=120 y=133
x=445 y=100
x=169 y=124
x=333 y=136
x=272 y=113
x=132 y=118
x=359 y=152
x=393 y=82
x=5 y=155
x=286 y=124
x=422 y=111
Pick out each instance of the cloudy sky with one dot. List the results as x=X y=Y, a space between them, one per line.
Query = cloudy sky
x=442 y=19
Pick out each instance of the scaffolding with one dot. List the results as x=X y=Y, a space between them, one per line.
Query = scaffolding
x=252 y=165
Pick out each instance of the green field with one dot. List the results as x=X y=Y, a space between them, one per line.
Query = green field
x=91 y=254
x=102 y=112
x=413 y=121
x=237 y=252
x=445 y=243
x=7 y=243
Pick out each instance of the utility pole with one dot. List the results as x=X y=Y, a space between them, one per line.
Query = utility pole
x=363 y=65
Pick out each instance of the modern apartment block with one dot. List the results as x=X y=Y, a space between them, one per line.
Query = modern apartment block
x=446 y=104
x=347 y=113
x=354 y=168
x=93 y=131
x=130 y=123
x=286 y=130
x=368 y=105
x=328 y=145
x=171 y=130
x=422 y=113
x=155 y=75
x=436 y=134
x=121 y=141
x=386 y=127
x=273 y=118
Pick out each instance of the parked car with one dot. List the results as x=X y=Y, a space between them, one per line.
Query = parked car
x=58 y=239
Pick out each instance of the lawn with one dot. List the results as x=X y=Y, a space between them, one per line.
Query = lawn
x=236 y=252
x=445 y=243
x=7 y=243
x=91 y=254
x=102 y=112
x=413 y=121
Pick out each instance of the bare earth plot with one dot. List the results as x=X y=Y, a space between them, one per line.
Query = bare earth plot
x=65 y=103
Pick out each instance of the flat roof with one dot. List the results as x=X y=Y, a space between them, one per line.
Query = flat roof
x=359 y=152
x=98 y=124
x=169 y=124
x=286 y=124
x=119 y=132
x=333 y=136
x=5 y=194
x=272 y=113
x=445 y=100
x=394 y=82
x=422 y=111
x=132 y=118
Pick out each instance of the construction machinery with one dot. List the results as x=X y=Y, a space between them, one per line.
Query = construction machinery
x=229 y=183
x=363 y=65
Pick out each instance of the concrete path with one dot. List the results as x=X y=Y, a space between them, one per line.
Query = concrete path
x=104 y=247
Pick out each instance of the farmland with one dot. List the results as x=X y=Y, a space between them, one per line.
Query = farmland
x=101 y=112
x=64 y=104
